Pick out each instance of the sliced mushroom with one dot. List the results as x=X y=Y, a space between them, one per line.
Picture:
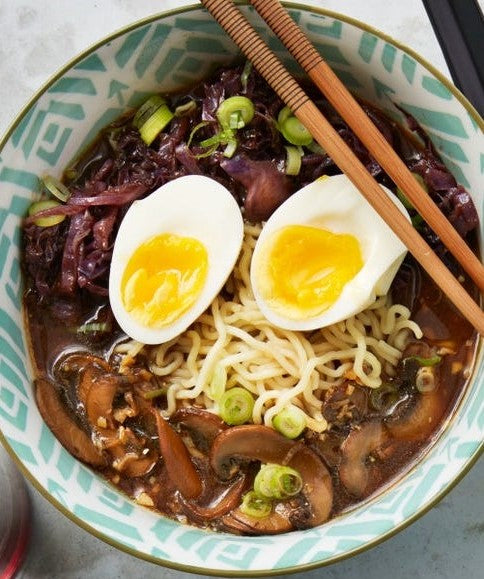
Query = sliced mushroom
x=354 y=470
x=273 y=524
x=253 y=442
x=57 y=418
x=248 y=442
x=177 y=460
x=99 y=402
x=327 y=446
x=96 y=367
x=227 y=502
x=317 y=484
x=204 y=426
x=419 y=422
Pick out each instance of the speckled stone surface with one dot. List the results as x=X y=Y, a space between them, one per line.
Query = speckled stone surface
x=37 y=37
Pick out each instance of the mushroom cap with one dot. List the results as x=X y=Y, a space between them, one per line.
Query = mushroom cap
x=353 y=470
x=256 y=442
x=248 y=442
x=60 y=422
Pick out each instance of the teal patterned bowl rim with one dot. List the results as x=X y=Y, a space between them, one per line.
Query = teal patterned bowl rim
x=472 y=403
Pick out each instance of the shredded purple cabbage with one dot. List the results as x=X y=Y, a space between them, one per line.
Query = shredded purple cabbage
x=119 y=168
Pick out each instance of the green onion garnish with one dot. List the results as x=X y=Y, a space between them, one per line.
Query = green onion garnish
x=147 y=109
x=255 y=506
x=315 y=147
x=284 y=114
x=421 y=361
x=218 y=382
x=244 y=77
x=42 y=206
x=235 y=112
x=401 y=195
x=293 y=159
x=154 y=393
x=290 y=421
x=417 y=221
x=150 y=129
x=56 y=188
x=195 y=130
x=185 y=108
x=230 y=148
x=295 y=132
x=277 y=482
x=224 y=137
x=94 y=327
x=235 y=406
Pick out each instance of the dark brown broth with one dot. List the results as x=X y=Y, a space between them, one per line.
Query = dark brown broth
x=54 y=338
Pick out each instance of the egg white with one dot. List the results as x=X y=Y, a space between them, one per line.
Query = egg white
x=335 y=204
x=190 y=206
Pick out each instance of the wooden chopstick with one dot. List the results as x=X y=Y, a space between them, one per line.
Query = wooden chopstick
x=343 y=101
x=269 y=66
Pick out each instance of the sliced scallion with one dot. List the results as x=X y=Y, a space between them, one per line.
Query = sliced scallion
x=218 y=382
x=293 y=159
x=274 y=481
x=155 y=124
x=290 y=421
x=56 y=188
x=403 y=198
x=295 y=132
x=207 y=153
x=236 y=120
x=236 y=405
x=49 y=221
x=315 y=147
x=224 y=137
x=147 y=109
x=255 y=506
x=425 y=379
x=417 y=221
x=431 y=361
x=195 y=130
x=284 y=114
x=91 y=327
x=230 y=148
x=244 y=77
x=236 y=110
x=185 y=108
x=150 y=394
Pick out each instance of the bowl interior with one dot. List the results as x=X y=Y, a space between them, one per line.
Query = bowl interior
x=168 y=53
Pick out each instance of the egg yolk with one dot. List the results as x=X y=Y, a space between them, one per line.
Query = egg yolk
x=163 y=279
x=303 y=269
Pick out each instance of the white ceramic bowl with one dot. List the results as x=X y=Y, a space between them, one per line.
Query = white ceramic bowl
x=163 y=53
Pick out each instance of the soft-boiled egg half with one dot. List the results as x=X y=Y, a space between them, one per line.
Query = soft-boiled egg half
x=323 y=256
x=173 y=252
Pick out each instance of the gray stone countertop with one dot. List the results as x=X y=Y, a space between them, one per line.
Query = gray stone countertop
x=36 y=38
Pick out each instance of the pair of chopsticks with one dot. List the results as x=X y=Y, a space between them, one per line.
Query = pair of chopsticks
x=277 y=76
